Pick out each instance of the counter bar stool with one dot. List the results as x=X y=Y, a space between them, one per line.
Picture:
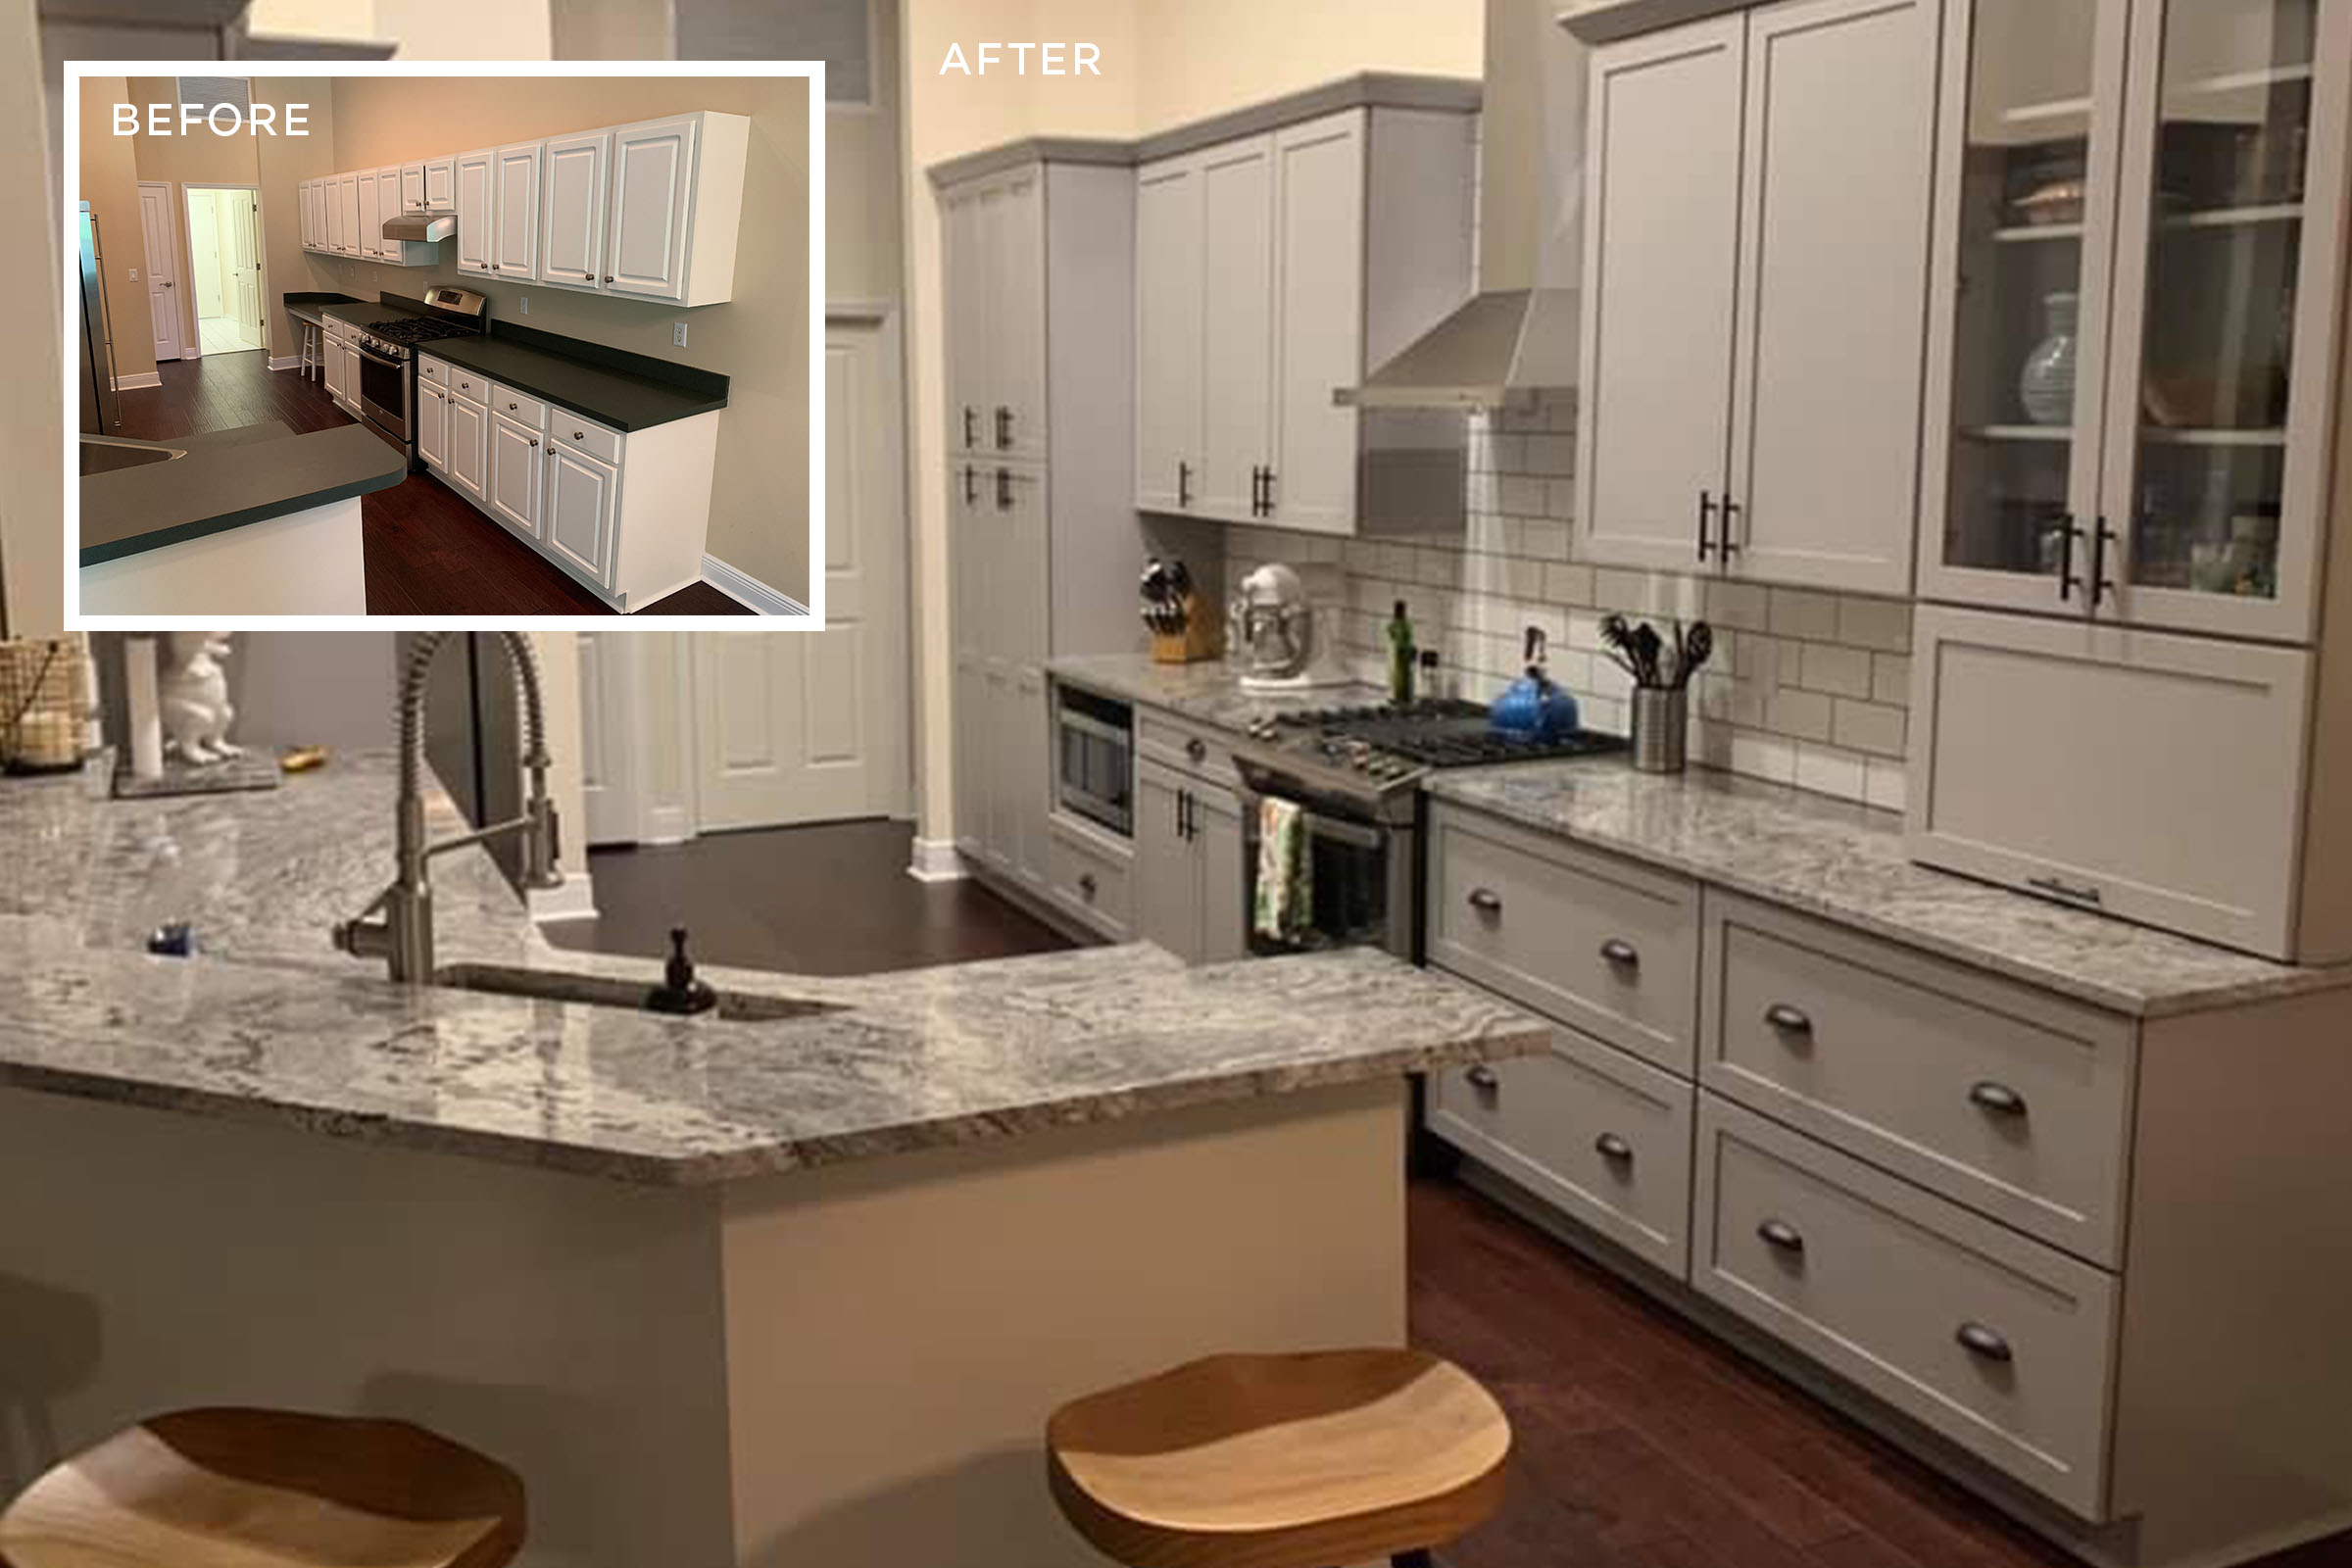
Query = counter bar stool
x=268 y=1489
x=312 y=359
x=1281 y=1462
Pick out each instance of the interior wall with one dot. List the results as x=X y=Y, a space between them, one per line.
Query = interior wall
x=31 y=413
x=204 y=159
x=283 y=162
x=313 y=688
x=1198 y=57
x=759 y=518
x=110 y=183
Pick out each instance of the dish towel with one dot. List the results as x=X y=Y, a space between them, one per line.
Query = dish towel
x=1286 y=894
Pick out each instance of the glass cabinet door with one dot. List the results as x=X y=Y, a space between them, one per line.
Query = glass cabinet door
x=2226 y=283
x=2040 y=144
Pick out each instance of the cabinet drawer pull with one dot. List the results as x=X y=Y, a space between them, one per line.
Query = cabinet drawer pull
x=1486 y=901
x=2100 y=587
x=1197 y=749
x=1184 y=484
x=1621 y=954
x=1483 y=1077
x=1086 y=885
x=534 y=440
x=2077 y=891
x=1782 y=1235
x=971 y=485
x=607 y=277
x=512 y=407
x=1787 y=1021
x=969 y=439
x=579 y=435
x=1613 y=1148
x=1981 y=1341
x=1999 y=1099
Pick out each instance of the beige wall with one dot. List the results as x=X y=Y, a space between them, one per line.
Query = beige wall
x=283 y=164
x=110 y=183
x=1164 y=63
x=759 y=340
x=31 y=413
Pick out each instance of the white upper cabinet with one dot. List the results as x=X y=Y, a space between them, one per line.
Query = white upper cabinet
x=963 y=262
x=572 y=226
x=369 y=240
x=441 y=185
x=2142 y=297
x=1264 y=268
x=474 y=198
x=1757 y=273
x=412 y=187
x=514 y=212
x=1012 y=227
x=1169 y=306
x=652 y=196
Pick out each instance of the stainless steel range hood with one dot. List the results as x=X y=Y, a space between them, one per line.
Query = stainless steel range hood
x=427 y=227
x=1519 y=335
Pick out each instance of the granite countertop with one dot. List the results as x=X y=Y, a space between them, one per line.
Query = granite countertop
x=626 y=391
x=1209 y=692
x=271 y=1025
x=1846 y=863
x=228 y=479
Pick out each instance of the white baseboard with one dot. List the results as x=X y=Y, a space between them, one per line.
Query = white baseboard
x=131 y=384
x=750 y=589
x=575 y=900
x=936 y=861
x=284 y=361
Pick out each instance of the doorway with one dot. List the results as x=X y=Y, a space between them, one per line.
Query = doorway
x=225 y=267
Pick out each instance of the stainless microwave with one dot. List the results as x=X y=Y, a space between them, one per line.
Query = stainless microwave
x=1094 y=750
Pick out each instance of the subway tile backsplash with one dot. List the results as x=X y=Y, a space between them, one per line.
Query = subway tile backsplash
x=1809 y=689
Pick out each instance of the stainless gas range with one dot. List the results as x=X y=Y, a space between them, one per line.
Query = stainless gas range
x=1356 y=774
x=387 y=349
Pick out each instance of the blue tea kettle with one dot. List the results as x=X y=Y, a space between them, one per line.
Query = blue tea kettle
x=1531 y=707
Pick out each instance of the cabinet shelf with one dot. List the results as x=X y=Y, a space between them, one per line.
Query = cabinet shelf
x=2032 y=234
x=2235 y=216
x=2189 y=436
x=2044 y=113
x=2048 y=434
x=2231 y=82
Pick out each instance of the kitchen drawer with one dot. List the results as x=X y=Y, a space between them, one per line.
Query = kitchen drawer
x=1601 y=1135
x=1090 y=877
x=472 y=385
x=436 y=372
x=1187 y=747
x=1588 y=939
x=566 y=429
x=2010 y=1101
x=520 y=406
x=1884 y=1284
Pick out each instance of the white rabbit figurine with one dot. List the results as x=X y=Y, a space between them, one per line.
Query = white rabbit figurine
x=193 y=695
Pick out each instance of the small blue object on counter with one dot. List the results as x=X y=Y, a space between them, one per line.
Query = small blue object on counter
x=1534 y=706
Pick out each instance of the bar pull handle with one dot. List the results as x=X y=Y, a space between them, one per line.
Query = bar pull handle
x=2068 y=532
x=1268 y=504
x=2074 y=892
x=1613 y=1148
x=1482 y=1077
x=1706 y=515
x=1979 y=1340
x=970 y=439
x=1724 y=546
x=1620 y=953
x=1486 y=901
x=2101 y=537
x=1789 y=1020
x=971 y=485
x=1004 y=428
x=1004 y=489
x=1999 y=1099
x=1782 y=1236
x=1184 y=484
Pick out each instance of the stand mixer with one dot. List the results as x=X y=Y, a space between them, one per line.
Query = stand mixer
x=1282 y=641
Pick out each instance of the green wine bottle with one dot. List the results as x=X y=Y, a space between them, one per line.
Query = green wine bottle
x=1401 y=664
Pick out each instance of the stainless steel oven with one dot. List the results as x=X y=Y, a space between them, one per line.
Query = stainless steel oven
x=1361 y=862
x=388 y=392
x=1094 y=751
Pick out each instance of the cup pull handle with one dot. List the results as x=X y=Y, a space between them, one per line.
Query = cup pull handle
x=1486 y=901
x=1483 y=1077
x=1999 y=1099
x=1787 y=1021
x=1780 y=1233
x=1621 y=954
x=1613 y=1148
x=1979 y=1340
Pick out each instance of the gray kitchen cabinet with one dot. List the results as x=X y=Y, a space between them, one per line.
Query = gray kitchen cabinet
x=1188 y=888
x=2140 y=283
x=1274 y=270
x=1760 y=192
x=993 y=257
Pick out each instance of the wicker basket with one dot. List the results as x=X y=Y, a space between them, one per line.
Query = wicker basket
x=44 y=707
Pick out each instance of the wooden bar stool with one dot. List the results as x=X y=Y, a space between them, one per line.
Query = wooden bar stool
x=268 y=1489
x=1281 y=1462
x=310 y=357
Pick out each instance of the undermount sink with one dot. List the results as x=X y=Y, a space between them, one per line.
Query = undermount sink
x=602 y=991
x=104 y=453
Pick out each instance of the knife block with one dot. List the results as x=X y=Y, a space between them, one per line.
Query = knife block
x=1197 y=642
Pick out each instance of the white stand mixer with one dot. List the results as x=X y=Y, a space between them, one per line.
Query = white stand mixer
x=1282 y=641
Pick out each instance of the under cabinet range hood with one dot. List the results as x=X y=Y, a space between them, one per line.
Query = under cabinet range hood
x=1519 y=334
x=430 y=227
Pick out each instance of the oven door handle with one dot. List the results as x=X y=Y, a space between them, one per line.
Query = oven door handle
x=371 y=353
x=1338 y=829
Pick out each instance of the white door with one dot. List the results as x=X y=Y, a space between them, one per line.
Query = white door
x=652 y=180
x=1237 y=330
x=578 y=511
x=432 y=425
x=1167 y=875
x=514 y=213
x=812 y=726
x=474 y=205
x=162 y=261
x=1318 y=331
x=514 y=482
x=468 y=444
x=372 y=212
x=1833 y=253
x=245 y=258
x=412 y=187
x=1168 y=312
x=1014 y=226
x=441 y=185
x=1661 y=245
x=571 y=207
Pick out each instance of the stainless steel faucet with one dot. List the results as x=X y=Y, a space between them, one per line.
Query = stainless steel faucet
x=403 y=935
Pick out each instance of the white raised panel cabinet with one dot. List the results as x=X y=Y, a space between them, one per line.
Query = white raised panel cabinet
x=1318 y=323
x=1188 y=866
x=514 y=212
x=1169 y=308
x=571 y=225
x=676 y=208
x=342 y=195
x=1237 y=324
x=579 y=499
x=472 y=175
x=514 y=475
x=412 y=187
x=469 y=446
x=432 y=426
x=370 y=237
x=964 y=270
x=440 y=185
x=1012 y=218
x=331 y=350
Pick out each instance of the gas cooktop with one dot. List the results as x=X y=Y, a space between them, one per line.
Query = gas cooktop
x=1384 y=747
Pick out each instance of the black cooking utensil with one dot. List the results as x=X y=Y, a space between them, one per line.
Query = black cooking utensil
x=1648 y=646
x=1617 y=641
x=1697 y=648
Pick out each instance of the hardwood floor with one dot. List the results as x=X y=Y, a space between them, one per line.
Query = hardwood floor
x=429 y=552
x=828 y=900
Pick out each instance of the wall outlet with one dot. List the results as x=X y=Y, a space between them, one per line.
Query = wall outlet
x=677 y=334
x=522 y=304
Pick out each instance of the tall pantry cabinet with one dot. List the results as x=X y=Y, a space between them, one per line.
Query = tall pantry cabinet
x=1037 y=275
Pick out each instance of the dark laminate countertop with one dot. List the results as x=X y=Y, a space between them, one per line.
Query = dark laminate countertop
x=309 y=305
x=228 y=479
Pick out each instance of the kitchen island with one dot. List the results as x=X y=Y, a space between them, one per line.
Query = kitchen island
x=793 y=1285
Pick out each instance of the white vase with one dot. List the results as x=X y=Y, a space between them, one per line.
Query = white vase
x=2047 y=382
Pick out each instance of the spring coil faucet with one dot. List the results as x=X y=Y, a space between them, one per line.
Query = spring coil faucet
x=402 y=936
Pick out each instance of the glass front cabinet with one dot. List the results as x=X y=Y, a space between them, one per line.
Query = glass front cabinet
x=2140 y=283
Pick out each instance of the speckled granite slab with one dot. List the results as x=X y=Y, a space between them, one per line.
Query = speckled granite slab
x=1209 y=692
x=1846 y=863
x=272 y=1024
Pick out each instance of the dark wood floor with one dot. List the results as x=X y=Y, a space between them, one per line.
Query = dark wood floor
x=830 y=900
x=428 y=551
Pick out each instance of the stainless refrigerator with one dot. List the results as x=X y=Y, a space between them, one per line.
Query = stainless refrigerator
x=101 y=405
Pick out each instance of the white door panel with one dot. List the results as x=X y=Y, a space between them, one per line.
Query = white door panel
x=652 y=177
x=162 y=261
x=571 y=229
x=514 y=212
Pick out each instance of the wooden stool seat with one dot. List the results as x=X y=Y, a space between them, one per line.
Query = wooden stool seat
x=268 y=1489
x=1280 y=1461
